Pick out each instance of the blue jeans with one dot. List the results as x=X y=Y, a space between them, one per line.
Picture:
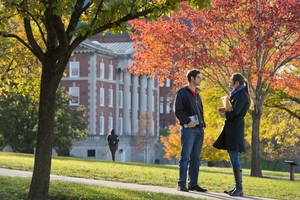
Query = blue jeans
x=234 y=159
x=191 y=146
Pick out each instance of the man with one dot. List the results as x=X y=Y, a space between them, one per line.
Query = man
x=189 y=112
x=112 y=140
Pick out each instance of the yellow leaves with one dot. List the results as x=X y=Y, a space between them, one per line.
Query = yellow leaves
x=172 y=142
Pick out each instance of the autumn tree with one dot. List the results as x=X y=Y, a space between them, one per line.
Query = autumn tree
x=280 y=134
x=53 y=30
x=259 y=39
x=171 y=142
x=144 y=135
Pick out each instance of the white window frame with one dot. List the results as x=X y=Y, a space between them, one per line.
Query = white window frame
x=74 y=69
x=110 y=123
x=161 y=107
x=168 y=82
x=101 y=98
x=101 y=123
x=102 y=70
x=120 y=99
x=168 y=105
x=74 y=92
x=168 y=108
x=110 y=98
x=111 y=72
x=120 y=128
x=121 y=77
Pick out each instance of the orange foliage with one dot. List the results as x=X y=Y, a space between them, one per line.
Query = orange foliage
x=256 y=38
x=172 y=142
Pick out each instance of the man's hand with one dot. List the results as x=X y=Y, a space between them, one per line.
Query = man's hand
x=192 y=124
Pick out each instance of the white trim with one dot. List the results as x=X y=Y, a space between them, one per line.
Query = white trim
x=74 y=92
x=101 y=122
x=110 y=98
x=74 y=69
x=102 y=70
x=101 y=97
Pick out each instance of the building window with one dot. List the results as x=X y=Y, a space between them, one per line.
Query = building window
x=110 y=123
x=101 y=70
x=120 y=129
x=121 y=76
x=168 y=82
x=74 y=91
x=101 y=125
x=110 y=98
x=168 y=110
x=161 y=107
x=168 y=105
x=111 y=72
x=168 y=123
x=161 y=123
x=91 y=153
x=74 y=69
x=101 y=96
x=120 y=99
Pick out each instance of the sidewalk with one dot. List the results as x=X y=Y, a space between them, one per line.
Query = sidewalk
x=131 y=186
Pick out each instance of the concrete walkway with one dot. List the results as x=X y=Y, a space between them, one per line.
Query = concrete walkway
x=131 y=186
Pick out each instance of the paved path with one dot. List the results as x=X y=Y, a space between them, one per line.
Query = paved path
x=206 y=195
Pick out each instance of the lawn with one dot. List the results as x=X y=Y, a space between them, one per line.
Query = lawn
x=277 y=185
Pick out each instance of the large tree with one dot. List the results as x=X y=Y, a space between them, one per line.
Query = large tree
x=260 y=39
x=53 y=30
x=19 y=121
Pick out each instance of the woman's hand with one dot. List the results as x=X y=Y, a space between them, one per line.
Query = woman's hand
x=222 y=112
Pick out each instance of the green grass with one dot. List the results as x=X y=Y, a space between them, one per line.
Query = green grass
x=212 y=178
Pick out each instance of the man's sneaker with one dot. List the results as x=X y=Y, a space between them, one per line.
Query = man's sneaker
x=182 y=188
x=197 y=188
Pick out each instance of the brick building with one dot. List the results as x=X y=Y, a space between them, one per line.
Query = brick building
x=96 y=77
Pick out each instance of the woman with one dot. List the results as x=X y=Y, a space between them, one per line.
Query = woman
x=232 y=133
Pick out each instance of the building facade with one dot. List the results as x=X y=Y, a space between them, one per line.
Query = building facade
x=96 y=78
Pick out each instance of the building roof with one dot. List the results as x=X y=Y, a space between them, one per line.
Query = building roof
x=110 y=48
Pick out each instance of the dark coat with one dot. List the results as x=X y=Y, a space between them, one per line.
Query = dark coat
x=232 y=132
x=185 y=106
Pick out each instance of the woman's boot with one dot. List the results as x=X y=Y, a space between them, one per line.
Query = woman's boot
x=228 y=191
x=237 y=172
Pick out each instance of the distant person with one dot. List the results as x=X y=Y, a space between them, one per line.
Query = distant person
x=188 y=110
x=232 y=133
x=112 y=141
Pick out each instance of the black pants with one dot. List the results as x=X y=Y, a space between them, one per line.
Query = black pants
x=113 y=149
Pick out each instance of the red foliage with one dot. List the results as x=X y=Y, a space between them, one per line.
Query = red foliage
x=257 y=38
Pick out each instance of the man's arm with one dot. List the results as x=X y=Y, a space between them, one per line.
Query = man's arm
x=179 y=104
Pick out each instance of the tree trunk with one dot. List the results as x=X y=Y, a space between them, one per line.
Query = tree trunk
x=275 y=165
x=255 y=156
x=42 y=164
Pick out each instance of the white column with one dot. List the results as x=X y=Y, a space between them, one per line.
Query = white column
x=143 y=103
x=150 y=107
x=92 y=94
x=117 y=110
x=126 y=111
x=134 y=104
x=150 y=96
